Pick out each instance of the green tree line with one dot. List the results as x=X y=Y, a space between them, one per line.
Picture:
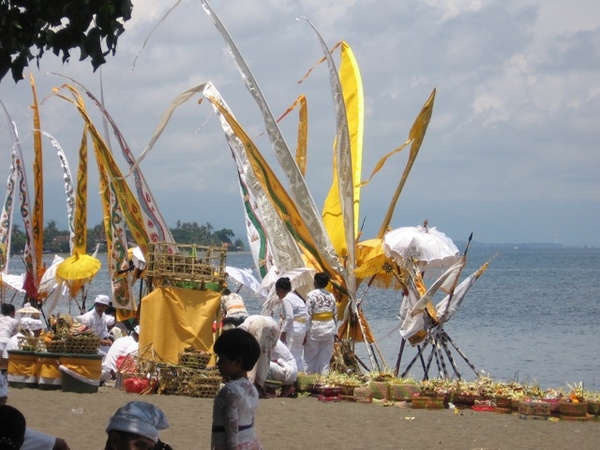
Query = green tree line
x=57 y=241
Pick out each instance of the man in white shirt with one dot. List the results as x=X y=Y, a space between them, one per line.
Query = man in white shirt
x=321 y=326
x=293 y=327
x=126 y=345
x=98 y=321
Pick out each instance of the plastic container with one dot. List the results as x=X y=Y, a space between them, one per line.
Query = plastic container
x=81 y=373
x=22 y=369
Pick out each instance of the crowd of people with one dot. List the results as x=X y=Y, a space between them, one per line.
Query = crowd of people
x=253 y=353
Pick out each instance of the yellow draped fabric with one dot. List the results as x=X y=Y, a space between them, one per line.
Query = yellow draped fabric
x=174 y=318
x=22 y=364
x=352 y=91
x=90 y=369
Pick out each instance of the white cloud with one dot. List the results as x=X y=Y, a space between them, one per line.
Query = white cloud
x=514 y=123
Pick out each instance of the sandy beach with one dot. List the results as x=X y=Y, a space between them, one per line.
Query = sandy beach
x=303 y=423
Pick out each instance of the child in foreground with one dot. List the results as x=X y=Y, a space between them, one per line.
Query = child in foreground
x=233 y=409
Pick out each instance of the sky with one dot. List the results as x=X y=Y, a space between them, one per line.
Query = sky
x=511 y=153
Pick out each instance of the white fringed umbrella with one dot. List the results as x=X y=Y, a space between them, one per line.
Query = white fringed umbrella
x=428 y=247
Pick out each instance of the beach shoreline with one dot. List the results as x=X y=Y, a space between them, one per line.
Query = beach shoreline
x=305 y=422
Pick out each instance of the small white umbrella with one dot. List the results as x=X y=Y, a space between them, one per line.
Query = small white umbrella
x=13 y=281
x=48 y=282
x=244 y=277
x=428 y=247
x=301 y=278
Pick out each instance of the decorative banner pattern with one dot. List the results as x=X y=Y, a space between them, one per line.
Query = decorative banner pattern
x=30 y=284
x=38 y=185
x=69 y=191
x=6 y=217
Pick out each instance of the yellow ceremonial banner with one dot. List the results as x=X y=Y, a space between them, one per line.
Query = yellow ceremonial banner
x=129 y=204
x=80 y=241
x=302 y=130
x=350 y=329
x=38 y=183
x=174 y=318
x=416 y=135
x=284 y=205
x=352 y=91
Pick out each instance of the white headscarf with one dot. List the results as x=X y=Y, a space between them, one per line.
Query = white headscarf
x=141 y=418
x=30 y=324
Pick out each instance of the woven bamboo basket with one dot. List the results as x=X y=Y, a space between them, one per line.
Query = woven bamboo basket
x=83 y=344
x=305 y=382
x=593 y=407
x=30 y=343
x=176 y=380
x=55 y=346
x=194 y=359
x=573 y=409
x=427 y=402
x=380 y=390
x=403 y=392
x=363 y=395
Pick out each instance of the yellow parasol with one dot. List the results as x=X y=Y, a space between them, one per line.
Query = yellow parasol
x=374 y=265
x=77 y=270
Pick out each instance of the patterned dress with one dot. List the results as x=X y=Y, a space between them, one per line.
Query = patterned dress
x=233 y=417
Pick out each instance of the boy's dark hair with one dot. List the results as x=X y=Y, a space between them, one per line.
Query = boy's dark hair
x=7 y=309
x=12 y=426
x=284 y=284
x=238 y=345
x=321 y=280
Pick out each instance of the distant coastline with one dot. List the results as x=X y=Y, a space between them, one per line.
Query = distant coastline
x=521 y=245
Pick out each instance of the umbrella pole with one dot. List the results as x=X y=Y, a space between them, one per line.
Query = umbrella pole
x=362 y=330
x=460 y=352
x=444 y=343
x=414 y=360
x=400 y=351
x=440 y=356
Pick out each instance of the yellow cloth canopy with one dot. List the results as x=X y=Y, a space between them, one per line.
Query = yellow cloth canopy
x=174 y=318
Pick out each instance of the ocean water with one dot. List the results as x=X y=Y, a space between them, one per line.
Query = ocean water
x=533 y=316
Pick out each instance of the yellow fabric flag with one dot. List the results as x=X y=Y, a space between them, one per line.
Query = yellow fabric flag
x=38 y=186
x=416 y=135
x=129 y=204
x=302 y=130
x=352 y=91
x=284 y=205
x=175 y=318
x=80 y=241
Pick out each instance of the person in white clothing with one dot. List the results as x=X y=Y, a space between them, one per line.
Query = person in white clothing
x=8 y=328
x=98 y=321
x=283 y=368
x=31 y=327
x=8 y=324
x=126 y=345
x=35 y=440
x=321 y=326
x=293 y=327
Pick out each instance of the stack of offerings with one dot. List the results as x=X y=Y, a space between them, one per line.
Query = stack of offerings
x=191 y=377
